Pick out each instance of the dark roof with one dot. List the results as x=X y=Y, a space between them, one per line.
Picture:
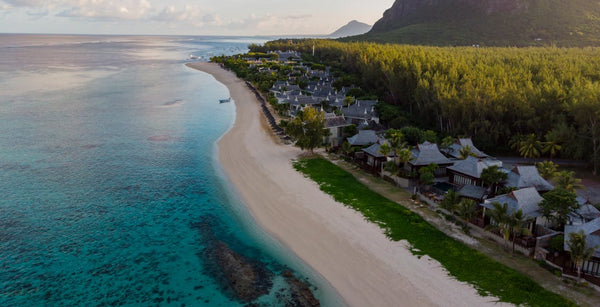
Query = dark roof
x=590 y=229
x=527 y=176
x=336 y=121
x=454 y=150
x=473 y=166
x=428 y=153
x=527 y=200
x=361 y=109
x=303 y=100
x=364 y=137
x=473 y=192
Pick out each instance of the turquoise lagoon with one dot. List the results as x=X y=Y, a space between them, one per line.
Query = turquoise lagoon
x=110 y=189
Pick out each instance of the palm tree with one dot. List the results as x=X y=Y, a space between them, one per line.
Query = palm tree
x=551 y=146
x=492 y=176
x=579 y=250
x=499 y=214
x=547 y=169
x=446 y=143
x=530 y=147
x=515 y=141
x=517 y=222
x=465 y=152
x=466 y=210
x=450 y=202
x=385 y=150
x=566 y=180
x=405 y=155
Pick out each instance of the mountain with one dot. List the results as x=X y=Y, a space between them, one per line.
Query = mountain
x=489 y=22
x=351 y=29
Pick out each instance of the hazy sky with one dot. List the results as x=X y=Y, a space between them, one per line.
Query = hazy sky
x=189 y=17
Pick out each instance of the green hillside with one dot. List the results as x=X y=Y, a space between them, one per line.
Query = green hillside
x=489 y=23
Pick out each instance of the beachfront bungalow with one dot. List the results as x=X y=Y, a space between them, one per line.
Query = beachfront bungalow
x=426 y=154
x=592 y=231
x=468 y=171
x=454 y=150
x=527 y=176
x=475 y=193
x=335 y=124
x=374 y=159
x=363 y=138
x=526 y=200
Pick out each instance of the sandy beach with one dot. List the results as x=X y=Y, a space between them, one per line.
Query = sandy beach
x=365 y=267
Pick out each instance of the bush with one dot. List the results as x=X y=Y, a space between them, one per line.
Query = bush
x=557 y=243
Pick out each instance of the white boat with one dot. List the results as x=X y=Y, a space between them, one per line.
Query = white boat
x=225 y=100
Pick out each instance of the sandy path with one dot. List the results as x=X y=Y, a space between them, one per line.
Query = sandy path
x=352 y=254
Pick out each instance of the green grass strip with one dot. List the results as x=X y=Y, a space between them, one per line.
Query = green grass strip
x=488 y=276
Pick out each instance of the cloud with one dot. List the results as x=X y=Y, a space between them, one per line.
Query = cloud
x=105 y=9
x=25 y=3
x=170 y=13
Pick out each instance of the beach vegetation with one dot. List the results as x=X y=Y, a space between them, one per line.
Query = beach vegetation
x=488 y=276
x=566 y=180
x=307 y=129
x=547 y=169
x=580 y=251
x=557 y=205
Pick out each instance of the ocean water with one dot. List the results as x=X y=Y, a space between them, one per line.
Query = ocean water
x=110 y=191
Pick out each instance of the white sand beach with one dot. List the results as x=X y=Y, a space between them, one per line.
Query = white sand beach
x=360 y=262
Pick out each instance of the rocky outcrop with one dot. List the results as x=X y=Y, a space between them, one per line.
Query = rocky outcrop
x=243 y=279
x=300 y=294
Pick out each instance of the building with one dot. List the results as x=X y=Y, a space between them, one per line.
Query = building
x=363 y=138
x=454 y=149
x=361 y=112
x=468 y=171
x=428 y=153
x=592 y=231
x=527 y=176
x=335 y=124
x=527 y=200
x=374 y=159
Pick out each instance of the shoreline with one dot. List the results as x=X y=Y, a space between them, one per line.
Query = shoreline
x=353 y=255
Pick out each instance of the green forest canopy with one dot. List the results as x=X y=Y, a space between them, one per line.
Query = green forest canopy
x=489 y=94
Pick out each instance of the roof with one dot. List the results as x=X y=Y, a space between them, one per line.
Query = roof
x=428 y=153
x=364 y=137
x=526 y=200
x=583 y=214
x=373 y=150
x=455 y=148
x=474 y=166
x=473 y=192
x=590 y=229
x=527 y=176
x=303 y=100
x=335 y=121
x=364 y=109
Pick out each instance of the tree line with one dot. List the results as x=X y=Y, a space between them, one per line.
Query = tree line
x=490 y=94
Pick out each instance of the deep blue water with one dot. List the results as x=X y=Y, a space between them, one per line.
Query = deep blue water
x=110 y=191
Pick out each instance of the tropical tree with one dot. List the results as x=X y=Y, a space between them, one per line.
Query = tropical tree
x=557 y=205
x=517 y=222
x=580 y=252
x=515 y=141
x=307 y=129
x=501 y=218
x=530 y=147
x=385 y=149
x=405 y=155
x=566 y=180
x=493 y=176
x=450 y=202
x=427 y=174
x=465 y=152
x=346 y=147
x=547 y=169
x=551 y=146
x=466 y=209
x=446 y=143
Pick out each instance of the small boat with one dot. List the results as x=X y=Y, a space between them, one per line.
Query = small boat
x=225 y=100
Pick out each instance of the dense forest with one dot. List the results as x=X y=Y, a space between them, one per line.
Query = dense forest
x=490 y=94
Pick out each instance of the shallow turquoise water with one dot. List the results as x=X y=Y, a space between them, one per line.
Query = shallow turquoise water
x=110 y=190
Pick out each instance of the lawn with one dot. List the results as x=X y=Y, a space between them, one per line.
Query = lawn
x=488 y=276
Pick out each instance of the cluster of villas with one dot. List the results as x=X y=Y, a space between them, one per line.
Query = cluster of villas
x=526 y=185
x=464 y=176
